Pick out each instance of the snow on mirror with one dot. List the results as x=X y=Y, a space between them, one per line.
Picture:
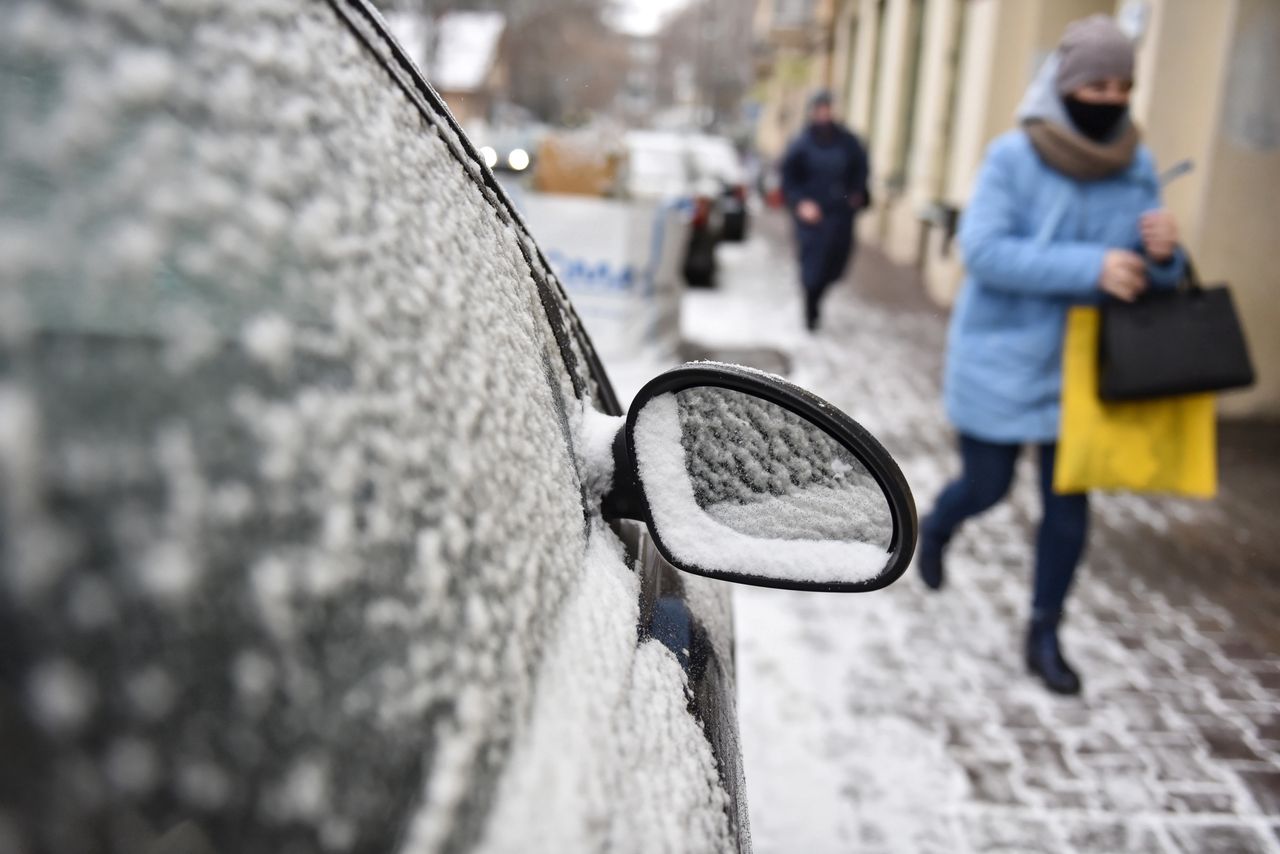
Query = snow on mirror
x=738 y=485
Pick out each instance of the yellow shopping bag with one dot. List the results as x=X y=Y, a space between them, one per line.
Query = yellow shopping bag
x=1164 y=445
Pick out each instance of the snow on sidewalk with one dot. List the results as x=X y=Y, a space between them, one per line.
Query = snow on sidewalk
x=902 y=721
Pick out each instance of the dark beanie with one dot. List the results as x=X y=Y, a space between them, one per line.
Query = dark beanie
x=1092 y=49
x=821 y=98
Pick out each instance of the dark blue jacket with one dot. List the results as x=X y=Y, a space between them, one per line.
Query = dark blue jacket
x=829 y=168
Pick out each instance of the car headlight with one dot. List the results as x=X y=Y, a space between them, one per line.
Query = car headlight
x=518 y=159
x=490 y=156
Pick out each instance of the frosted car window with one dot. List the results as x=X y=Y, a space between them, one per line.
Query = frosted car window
x=280 y=409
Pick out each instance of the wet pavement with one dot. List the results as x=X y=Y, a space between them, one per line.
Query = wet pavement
x=902 y=721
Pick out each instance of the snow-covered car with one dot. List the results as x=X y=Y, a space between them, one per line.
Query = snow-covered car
x=321 y=528
x=716 y=158
x=660 y=165
x=507 y=149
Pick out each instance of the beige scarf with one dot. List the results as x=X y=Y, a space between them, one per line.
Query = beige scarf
x=1079 y=157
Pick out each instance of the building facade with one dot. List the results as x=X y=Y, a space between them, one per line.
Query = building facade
x=792 y=56
x=929 y=84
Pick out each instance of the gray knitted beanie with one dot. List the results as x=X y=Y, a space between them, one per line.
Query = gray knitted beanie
x=1092 y=49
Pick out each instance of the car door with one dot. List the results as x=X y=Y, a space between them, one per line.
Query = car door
x=299 y=470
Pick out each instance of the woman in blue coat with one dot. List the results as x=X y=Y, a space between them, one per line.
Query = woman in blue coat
x=1066 y=209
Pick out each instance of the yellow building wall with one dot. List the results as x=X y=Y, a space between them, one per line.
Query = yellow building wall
x=1236 y=228
x=802 y=63
x=933 y=103
x=844 y=44
x=888 y=123
x=1004 y=43
x=785 y=96
x=926 y=153
x=865 y=51
x=1177 y=94
x=995 y=53
x=1207 y=91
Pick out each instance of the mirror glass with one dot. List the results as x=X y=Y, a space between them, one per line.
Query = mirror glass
x=737 y=484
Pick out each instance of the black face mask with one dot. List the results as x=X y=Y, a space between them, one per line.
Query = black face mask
x=1096 y=121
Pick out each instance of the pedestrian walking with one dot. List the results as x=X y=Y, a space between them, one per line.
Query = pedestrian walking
x=824 y=183
x=1066 y=210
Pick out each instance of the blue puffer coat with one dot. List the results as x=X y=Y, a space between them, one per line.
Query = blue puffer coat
x=1033 y=241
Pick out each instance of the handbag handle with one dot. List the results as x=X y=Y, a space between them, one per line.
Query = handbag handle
x=1190 y=280
x=1190 y=276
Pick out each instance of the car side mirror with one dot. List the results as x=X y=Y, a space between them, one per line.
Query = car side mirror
x=745 y=477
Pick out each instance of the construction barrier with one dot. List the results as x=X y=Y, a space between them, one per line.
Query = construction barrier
x=621 y=262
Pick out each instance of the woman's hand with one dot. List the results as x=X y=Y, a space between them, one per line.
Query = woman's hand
x=1159 y=235
x=1124 y=274
x=808 y=212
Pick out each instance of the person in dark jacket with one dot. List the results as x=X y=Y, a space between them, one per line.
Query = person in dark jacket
x=824 y=183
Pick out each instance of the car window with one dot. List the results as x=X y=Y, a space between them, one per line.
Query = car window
x=658 y=165
x=286 y=396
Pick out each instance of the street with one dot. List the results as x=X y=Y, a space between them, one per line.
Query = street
x=903 y=721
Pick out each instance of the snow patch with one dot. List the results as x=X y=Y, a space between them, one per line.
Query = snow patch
x=269 y=339
x=304 y=793
x=152 y=693
x=814 y=513
x=272 y=584
x=642 y=777
x=253 y=675
x=132 y=766
x=203 y=784
x=91 y=604
x=61 y=696
x=598 y=432
x=168 y=572
x=34 y=561
x=142 y=77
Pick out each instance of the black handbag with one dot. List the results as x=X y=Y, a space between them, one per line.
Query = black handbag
x=1168 y=343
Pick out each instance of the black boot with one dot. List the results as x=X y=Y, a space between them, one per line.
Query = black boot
x=1044 y=655
x=811 y=310
x=929 y=557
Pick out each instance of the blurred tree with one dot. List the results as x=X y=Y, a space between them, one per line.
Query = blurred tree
x=564 y=61
x=705 y=61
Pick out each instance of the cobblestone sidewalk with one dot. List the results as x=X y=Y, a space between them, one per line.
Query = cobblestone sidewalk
x=902 y=721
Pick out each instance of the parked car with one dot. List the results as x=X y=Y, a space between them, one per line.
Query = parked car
x=716 y=158
x=321 y=528
x=508 y=149
x=661 y=166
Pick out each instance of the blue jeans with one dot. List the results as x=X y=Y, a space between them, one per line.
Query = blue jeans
x=987 y=474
